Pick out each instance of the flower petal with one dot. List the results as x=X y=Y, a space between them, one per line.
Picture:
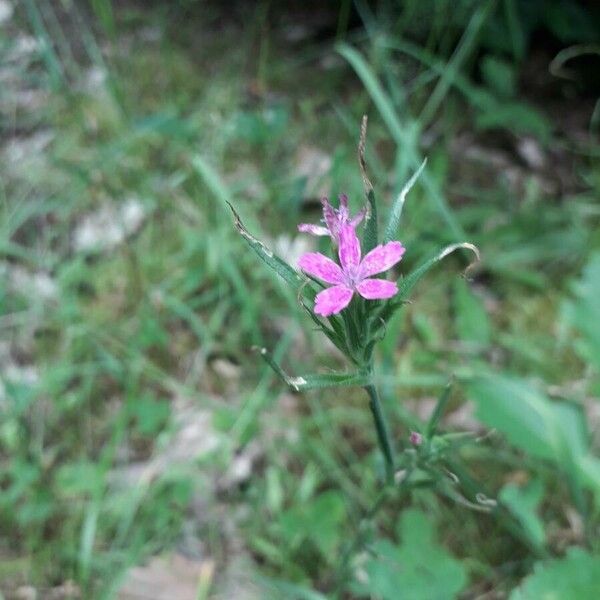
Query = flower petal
x=329 y=215
x=332 y=300
x=360 y=215
x=343 y=212
x=313 y=229
x=377 y=289
x=381 y=258
x=320 y=266
x=349 y=250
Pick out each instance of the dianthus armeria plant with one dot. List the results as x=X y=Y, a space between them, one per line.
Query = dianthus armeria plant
x=352 y=293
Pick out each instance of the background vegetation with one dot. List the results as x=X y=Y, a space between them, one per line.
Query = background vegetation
x=145 y=450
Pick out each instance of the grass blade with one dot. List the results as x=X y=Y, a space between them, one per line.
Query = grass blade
x=396 y=213
x=464 y=49
x=403 y=135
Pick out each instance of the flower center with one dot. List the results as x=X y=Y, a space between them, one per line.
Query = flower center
x=352 y=277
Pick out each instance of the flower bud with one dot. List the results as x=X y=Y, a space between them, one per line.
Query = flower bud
x=416 y=439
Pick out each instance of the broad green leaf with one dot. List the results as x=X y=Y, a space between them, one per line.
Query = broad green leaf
x=418 y=568
x=318 y=520
x=575 y=577
x=525 y=416
x=523 y=502
x=398 y=205
x=553 y=431
x=309 y=382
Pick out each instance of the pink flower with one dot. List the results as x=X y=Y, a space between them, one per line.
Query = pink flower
x=334 y=219
x=353 y=275
x=415 y=438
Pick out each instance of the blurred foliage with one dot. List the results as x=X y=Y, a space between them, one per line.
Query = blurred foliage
x=575 y=576
x=419 y=568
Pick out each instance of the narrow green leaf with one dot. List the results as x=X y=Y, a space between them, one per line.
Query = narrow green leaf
x=211 y=178
x=407 y=284
x=335 y=334
x=283 y=269
x=438 y=411
x=376 y=91
x=309 y=382
x=398 y=205
x=523 y=502
x=371 y=233
x=465 y=49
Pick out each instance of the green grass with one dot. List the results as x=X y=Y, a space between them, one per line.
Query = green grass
x=135 y=343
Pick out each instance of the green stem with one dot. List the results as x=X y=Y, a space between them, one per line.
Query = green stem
x=383 y=436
